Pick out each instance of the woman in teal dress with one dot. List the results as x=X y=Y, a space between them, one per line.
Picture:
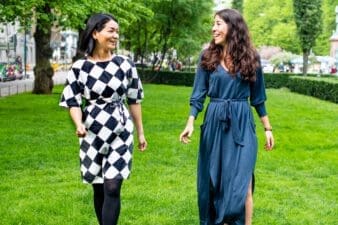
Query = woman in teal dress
x=229 y=73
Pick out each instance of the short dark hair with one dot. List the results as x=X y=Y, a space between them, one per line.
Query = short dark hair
x=95 y=22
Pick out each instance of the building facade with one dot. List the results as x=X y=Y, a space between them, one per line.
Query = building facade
x=15 y=42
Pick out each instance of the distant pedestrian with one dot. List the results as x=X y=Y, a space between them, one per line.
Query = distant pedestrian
x=103 y=81
x=333 y=70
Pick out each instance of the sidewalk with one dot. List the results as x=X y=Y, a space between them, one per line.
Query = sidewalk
x=25 y=85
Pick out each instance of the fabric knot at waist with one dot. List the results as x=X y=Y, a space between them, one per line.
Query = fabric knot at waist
x=110 y=105
x=228 y=117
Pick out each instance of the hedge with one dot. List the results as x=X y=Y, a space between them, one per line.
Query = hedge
x=319 y=89
x=167 y=77
x=297 y=83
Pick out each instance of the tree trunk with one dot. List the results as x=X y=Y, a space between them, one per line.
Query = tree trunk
x=164 y=52
x=43 y=83
x=305 y=62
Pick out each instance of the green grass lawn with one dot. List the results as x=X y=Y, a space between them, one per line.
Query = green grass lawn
x=296 y=184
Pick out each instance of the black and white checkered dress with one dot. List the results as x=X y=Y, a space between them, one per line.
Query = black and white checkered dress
x=106 y=150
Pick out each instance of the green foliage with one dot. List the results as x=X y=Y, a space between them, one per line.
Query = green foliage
x=70 y=13
x=276 y=81
x=325 y=88
x=282 y=57
x=308 y=18
x=21 y=10
x=182 y=25
x=167 y=77
x=322 y=46
x=64 y=13
x=238 y=5
x=142 y=30
x=295 y=184
x=319 y=89
x=271 y=23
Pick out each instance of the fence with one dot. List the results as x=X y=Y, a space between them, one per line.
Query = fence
x=20 y=86
x=15 y=89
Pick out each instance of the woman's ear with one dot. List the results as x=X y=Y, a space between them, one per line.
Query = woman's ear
x=94 y=35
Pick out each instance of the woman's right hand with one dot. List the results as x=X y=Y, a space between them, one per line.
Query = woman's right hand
x=186 y=134
x=81 y=131
x=188 y=130
x=142 y=143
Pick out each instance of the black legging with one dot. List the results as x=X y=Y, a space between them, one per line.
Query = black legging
x=107 y=201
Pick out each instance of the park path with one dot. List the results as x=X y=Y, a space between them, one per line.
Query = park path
x=26 y=85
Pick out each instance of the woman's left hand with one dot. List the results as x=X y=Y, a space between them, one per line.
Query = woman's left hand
x=142 y=143
x=270 y=142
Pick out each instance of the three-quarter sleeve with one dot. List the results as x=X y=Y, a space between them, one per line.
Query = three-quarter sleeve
x=73 y=90
x=134 y=89
x=257 y=93
x=200 y=90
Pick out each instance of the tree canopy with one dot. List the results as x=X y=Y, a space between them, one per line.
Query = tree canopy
x=309 y=25
x=238 y=5
x=45 y=14
x=182 y=25
x=272 y=23
x=161 y=26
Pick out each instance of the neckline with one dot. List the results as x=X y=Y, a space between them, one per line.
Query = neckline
x=224 y=68
x=99 y=61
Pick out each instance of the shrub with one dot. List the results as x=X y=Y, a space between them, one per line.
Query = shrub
x=324 y=90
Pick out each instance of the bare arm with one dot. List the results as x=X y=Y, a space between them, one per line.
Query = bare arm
x=269 y=144
x=76 y=115
x=136 y=113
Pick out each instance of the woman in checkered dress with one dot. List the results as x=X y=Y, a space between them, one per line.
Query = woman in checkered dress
x=100 y=83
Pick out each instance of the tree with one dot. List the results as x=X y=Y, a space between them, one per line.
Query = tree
x=65 y=13
x=43 y=71
x=125 y=11
x=309 y=25
x=26 y=12
x=238 y=5
x=322 y=46
x=271 y=23
x=183 y=25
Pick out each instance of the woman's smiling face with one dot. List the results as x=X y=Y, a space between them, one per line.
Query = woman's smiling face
x=219 y=31
x=108 y=37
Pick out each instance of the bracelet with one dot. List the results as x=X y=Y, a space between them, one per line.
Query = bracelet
x=267 y=129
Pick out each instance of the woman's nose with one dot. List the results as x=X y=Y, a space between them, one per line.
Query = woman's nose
x=213 y=29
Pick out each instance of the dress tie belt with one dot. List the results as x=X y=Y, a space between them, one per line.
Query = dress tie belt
x=112 y=104
x=228 y=117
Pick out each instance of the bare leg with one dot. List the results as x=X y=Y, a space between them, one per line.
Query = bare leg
x=249 y=206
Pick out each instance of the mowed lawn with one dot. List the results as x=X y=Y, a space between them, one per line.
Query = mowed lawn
x=297 y=183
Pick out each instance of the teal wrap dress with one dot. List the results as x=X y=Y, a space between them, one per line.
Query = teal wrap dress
x=228 y=142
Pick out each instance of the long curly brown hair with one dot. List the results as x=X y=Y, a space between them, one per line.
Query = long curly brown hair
x=241 y=56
